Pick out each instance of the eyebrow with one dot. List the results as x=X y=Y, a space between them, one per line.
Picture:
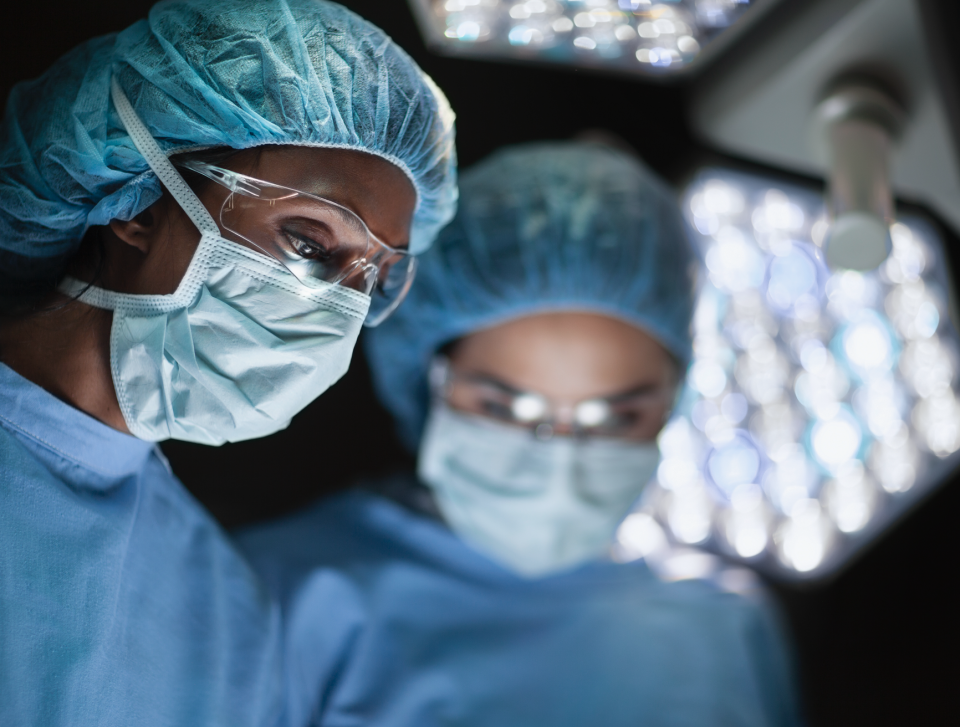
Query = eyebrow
x=634 y=393
x=505 y=388
x=493 y=382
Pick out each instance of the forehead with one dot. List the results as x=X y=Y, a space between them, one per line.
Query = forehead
x=377 y=190
x=566 y=355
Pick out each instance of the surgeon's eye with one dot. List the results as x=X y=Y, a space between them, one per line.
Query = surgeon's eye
x=626 y=419
x=496 y=409
x=306 y=246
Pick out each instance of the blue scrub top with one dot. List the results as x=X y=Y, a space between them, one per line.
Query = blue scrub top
x=393 y=621
x=121 y=601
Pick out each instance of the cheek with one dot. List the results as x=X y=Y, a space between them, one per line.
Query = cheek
x=169 y=260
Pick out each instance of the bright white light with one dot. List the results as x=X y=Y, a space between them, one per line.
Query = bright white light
x=584 y=20
x=868 y=346
x=522 y=35
x=528 y=407
x=746 y=522
x=734 y=408
x=689 y=514
x=836 y=441
x=734 y=263
x=813 y=356
x=913 y=310
x=791 y=275
x=662 y=36
x=791 y=478
x=880 y=402
x=734 y=464
x=804 y=537
x=894 y=464
x=761 y=377
x=647 y=30
x=686 y=564
x=927 y=366
x=850 y=499
x=677 y=473
x=777 y=214
x=821 y=391
x=937 y=418
x=776 y=425
x=849 y=293
x=720 y=198
x=640 y=536
x=664 y=27
x=748 y=536
x=708 y=377
x=601 y=16
x=907 y=260
x=678 y=440
x=688 y=44
x=469 y=30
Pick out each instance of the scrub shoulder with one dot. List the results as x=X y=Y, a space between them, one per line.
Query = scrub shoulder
x=379 y=524
x=351 y=568
x=111 y=571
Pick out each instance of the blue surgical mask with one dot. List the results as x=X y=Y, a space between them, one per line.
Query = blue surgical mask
x=240 y=347
x=537 y=507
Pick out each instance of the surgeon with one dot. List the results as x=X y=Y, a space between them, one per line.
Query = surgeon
x=197 y=214
x=535 y=361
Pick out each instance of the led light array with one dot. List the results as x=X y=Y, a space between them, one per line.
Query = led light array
x=634 y=35
x=819 y=404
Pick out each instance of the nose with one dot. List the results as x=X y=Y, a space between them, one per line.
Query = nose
x=362 y=278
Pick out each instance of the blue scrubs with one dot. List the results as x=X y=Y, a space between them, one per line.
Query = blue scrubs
x=391 y=620
x=121 y=601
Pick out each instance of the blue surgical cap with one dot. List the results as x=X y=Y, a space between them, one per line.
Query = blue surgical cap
x=542 y=227
x=202 y=74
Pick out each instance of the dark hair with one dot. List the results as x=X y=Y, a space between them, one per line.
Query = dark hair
x=25 y=283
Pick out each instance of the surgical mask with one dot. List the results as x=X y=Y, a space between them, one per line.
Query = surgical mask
x=537 y=507
x=238 y=349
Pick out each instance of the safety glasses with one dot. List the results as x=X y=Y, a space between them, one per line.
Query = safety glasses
x=634 y=415
x=314 y=238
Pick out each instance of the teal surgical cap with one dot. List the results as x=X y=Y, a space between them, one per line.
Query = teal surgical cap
x=541 y=227
x=203 y=74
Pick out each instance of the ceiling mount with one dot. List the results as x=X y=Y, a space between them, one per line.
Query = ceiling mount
x=757 y=102
x=855 y=126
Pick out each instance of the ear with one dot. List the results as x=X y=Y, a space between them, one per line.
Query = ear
x=139 y=232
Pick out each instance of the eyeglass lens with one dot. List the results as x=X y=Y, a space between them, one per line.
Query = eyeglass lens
x=634 y=417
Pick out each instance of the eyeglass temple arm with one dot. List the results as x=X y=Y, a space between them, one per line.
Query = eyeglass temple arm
x=233 y=181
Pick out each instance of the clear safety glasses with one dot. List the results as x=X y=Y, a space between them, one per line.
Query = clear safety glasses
x=314 y=238
x=635 y=415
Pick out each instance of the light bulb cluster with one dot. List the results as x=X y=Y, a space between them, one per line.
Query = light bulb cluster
x=642 y=36
x=819 y=403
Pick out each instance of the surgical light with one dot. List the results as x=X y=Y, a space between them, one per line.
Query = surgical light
x=635 y=36
x=820 y=404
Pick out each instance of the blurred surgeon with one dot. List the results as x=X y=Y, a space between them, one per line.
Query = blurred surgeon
x=197 y=214
x=534 y=363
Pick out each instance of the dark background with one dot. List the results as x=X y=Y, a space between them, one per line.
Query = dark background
x=875 y=645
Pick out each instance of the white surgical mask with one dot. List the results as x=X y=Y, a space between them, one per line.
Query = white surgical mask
x=537 y=507
x=240 y=347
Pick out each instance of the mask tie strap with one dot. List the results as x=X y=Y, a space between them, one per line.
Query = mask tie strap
x=160 y=164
